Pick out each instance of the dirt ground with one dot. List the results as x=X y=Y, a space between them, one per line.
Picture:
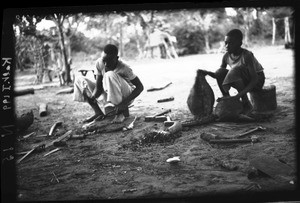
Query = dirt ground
x=110 y=165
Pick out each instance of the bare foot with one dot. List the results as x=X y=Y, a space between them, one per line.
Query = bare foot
x=99 y=118
x=90 y=119
x=118 y=118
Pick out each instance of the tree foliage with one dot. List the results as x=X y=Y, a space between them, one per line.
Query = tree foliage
x=196 y=30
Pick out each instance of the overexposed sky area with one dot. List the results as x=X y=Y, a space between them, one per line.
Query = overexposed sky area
x=47 y=24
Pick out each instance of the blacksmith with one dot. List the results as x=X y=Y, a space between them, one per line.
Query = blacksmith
x=113 y=89
x=245 y=74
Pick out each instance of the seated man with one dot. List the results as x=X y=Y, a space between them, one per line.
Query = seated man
x=115 y=88
x=246 y=73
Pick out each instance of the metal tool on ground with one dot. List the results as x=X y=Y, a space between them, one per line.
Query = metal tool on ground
x=40 y=147
x=130 y=126
x=158 y=117
x=175 y=127
x=259 y=128
x=56 y=125
x=168 y=122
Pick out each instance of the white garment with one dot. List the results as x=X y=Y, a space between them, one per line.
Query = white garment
x=115 y=88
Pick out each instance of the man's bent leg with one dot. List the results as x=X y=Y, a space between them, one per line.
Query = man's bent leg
x=117 y=89
x=247 y=106
x=82 y=88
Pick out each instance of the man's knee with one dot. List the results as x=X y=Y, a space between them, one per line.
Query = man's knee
x=221 y=73
x=239 y=85
x=78 y=80
x=110 y=74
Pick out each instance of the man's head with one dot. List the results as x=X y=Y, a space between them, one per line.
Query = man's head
x=233 y=40
x=110 y=57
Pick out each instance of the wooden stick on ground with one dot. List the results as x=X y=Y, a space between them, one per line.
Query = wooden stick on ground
x=55 y=177
x=230 y=141
x=58 y=139
x=54 y=150
x=54 y=127
x=66 y=91
x=27 y=136
x=29 y=152
x=23 y=92
x=158 y=88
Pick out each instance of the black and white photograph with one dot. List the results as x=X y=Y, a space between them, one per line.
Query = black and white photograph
x=166 y=102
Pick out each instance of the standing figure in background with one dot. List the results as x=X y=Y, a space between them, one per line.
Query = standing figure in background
x=163 y=42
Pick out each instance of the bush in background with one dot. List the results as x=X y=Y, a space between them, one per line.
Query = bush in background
x=190 y=40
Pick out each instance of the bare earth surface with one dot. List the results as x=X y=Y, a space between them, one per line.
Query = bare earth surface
x=109 y=165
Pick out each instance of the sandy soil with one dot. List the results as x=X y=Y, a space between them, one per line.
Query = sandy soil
x=109 y=165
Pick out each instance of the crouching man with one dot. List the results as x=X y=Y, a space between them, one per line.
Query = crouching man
x=115 y=87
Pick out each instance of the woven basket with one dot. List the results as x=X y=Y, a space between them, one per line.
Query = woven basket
x=264 y=100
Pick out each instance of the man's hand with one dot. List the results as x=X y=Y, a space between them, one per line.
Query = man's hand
x=90 y=96
x=93 y=97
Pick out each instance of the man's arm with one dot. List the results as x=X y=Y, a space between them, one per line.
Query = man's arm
x=98 y=87
x=136 y=92
x=219 y=71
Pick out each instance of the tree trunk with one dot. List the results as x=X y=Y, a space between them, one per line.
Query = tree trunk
x=38 y=64
x=246 y=40
x=19 y=64
x=274 y=31
x=67 y=65
x=121 y=40
x=247 y=19
x=287 y=35
x=138 y=45
x=206 y=38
